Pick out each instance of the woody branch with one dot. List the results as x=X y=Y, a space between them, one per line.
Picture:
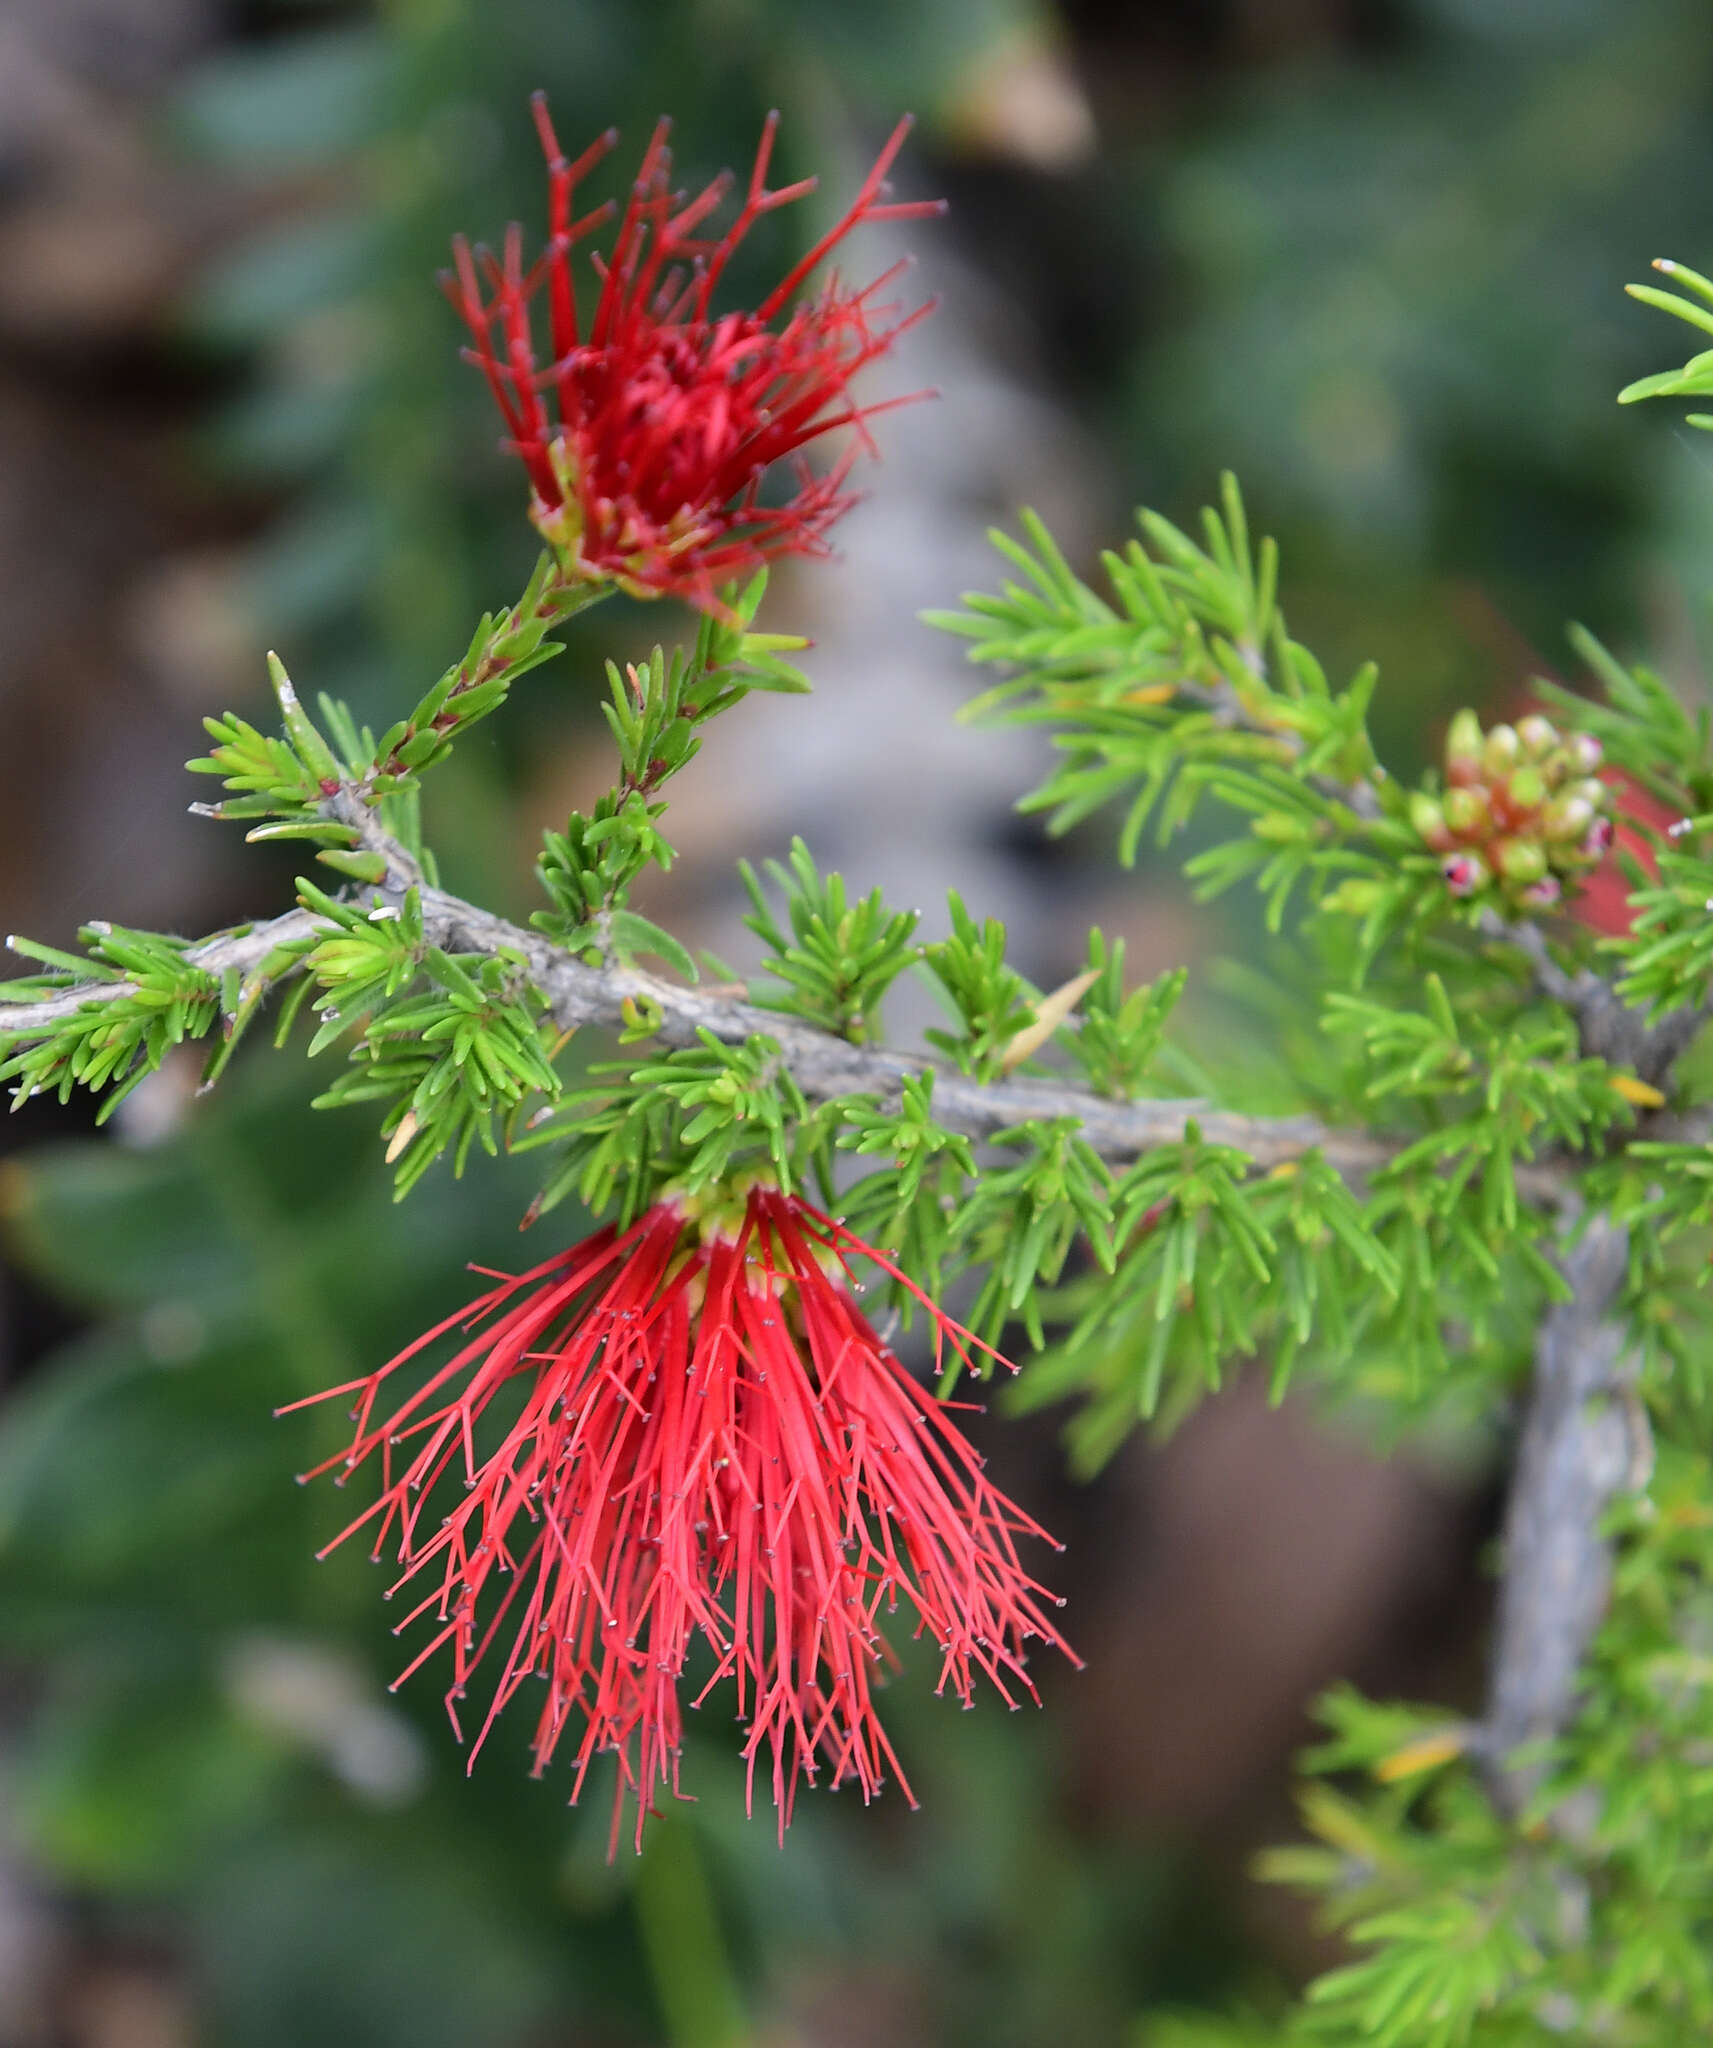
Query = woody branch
x=822 y=1064
x=1576 y=1446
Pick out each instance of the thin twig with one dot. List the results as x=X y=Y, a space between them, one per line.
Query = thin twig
x=1361 y=797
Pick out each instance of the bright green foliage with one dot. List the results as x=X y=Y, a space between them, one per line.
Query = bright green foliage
x=450 y=1044
x=1669 y=959
x=286 y=781
x=110 y=1043
x=1660 y=1189
x=368 y=954
x=1021 y=1221
x=1409 y=1289
x=1120 y=1032
x=655 y=710
x=1695 y=378
x=840 y=958
x=1593 y=1920
x=588 y=870
x=294 y=782
x=1645 y=729
x=1420 y=1286
x=1501 y=1091
x=689 y=1118
x=1641 y=1748
x=266 y=775
x=503 y=649
x=1419 y=1283
x=449 y=1061
x=1453 y=1925
x=990 y=999
x=1213 y=1260
x=1186 y=683
x=907 y=1207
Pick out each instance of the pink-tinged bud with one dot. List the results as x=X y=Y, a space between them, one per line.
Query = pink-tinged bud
x=1539 y=736
x=1599 y=840
x=1542 y=895
x=1463 y=749
x=1520 y=860
x=1466 y=812
x=1429 y=821
x=1566 y=818
x=1586 y=752
x=1464 y=873
x=1500 y=751
x=1525 y=792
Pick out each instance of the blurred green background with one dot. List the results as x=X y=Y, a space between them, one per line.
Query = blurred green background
x=1368 y=253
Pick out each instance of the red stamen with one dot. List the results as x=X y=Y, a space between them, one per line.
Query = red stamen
x=713 y=1444
x=665 y=417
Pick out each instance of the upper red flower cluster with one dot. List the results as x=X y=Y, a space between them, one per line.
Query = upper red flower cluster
x=703 y=1438
x=647 y=466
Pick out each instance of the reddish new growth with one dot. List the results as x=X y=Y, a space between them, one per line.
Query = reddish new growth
x=698 y=1437
x=648 y=431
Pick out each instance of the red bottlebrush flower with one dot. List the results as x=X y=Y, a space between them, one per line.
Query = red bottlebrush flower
x=697 y=1435
x=648 y=431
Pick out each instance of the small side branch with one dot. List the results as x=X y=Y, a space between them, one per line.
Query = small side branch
x=1361 y=797
x=240 y=951
x=1608 y=1027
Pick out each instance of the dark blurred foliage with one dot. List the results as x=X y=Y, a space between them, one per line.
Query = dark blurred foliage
x=1367 y=254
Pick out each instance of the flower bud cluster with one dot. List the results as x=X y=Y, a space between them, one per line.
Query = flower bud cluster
x=1523 y=811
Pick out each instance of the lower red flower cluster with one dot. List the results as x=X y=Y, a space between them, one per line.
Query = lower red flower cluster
x=687 y=1432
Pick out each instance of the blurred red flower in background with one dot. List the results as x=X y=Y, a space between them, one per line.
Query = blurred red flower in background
x=1604 y=898
x=698 y=1435
x=647 y=466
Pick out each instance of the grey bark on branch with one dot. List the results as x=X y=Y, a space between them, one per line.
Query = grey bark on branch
x=1585 y=1436
x=1608 y=1027
x=822 y=1064
x=1585 y=1439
